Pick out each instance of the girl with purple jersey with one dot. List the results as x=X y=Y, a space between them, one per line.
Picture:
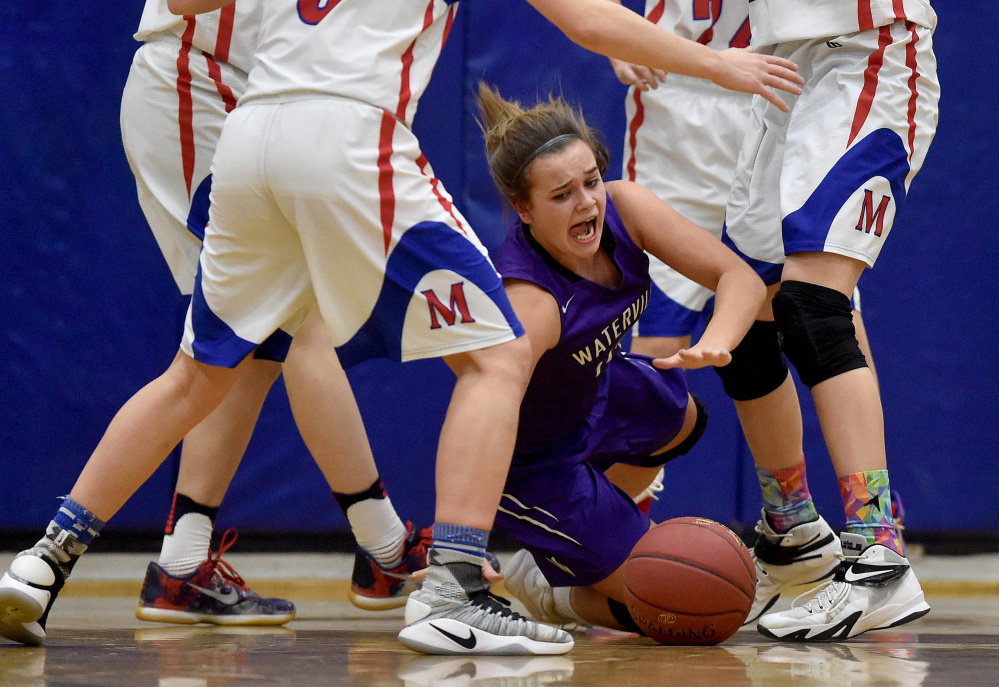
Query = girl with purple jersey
x=577 y=275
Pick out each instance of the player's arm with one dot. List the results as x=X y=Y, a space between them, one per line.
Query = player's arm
x=538 y=312
x=608 y=28
x=184 y=7
x=699 y=256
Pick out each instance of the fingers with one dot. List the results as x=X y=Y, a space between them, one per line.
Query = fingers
x=694 y=358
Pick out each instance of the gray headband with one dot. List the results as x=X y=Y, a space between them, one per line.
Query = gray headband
x=545 y=147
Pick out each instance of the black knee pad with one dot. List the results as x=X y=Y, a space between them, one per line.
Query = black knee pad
x=700 y=424
x=758 y=366
x=817 y=332
x=623 y=616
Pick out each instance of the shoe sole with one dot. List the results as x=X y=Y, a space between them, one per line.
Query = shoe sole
x=427 y=637
x=372 y=603
x=881 y=619
x=18 y=611
x=165 y=615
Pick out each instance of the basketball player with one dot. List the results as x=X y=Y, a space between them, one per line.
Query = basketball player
x=184 y=80
x=321 y=196
x=682 y=142
x=576 y=272
x=815 y=196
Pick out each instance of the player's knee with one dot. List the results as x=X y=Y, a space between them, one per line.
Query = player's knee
x=696 y=432
x=758 y=367
x=817 y=332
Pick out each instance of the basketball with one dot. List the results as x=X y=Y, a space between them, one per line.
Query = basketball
x=689 y=581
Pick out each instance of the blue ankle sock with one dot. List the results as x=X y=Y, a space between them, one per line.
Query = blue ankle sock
x=74 y=518
x=462 y=538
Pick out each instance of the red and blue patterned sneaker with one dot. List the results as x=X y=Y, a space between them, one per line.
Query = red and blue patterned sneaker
x=214 y=593
x=374 y=588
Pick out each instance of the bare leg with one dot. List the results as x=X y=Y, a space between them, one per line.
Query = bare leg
x=325 y=410
x=476 y=443
x=848 y=405
x=214 y=448
x=632 y=479
x=147 y=428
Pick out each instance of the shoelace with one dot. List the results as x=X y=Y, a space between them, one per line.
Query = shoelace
x=222 y=568
x=825 y=595
x=494 y=604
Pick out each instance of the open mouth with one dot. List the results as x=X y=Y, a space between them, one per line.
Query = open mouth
x=585 y=231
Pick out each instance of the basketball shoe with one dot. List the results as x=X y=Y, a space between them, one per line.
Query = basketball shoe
x=645 y=499
x=805 y=554
x=374 y=588
x=214 y=593
x=873 y=588
x=525 y=581
x=30 y=587
x=453 y=613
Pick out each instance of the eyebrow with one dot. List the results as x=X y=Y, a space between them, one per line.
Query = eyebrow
x=587 y=173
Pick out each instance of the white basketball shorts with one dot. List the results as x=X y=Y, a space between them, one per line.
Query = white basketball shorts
x=172 y=109
x=327 y=199
x=682 y=143
x=831 y=175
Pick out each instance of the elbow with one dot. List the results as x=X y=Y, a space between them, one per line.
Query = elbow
x=176 y=7
x=587 y=30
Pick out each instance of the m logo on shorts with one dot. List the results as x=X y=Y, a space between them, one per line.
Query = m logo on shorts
x=450 y=313
x=869 y=217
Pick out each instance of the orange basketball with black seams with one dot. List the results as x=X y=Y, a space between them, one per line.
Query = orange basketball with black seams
x=689 y=581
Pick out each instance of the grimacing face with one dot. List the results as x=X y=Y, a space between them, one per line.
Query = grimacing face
x=566 y=204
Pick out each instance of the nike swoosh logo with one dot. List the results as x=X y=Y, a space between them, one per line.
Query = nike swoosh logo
x=566 y=306
x=230 y=598
x=851 y=576
x=466 y=642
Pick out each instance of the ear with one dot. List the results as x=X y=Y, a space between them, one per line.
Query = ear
x=523 y=210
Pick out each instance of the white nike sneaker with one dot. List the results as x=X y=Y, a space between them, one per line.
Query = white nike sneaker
x=453 y=613
x=524 y=579
x=873 y=588
x=805 y=555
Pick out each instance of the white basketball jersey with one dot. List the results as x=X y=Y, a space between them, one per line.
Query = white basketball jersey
x=718 y=25
x=380 y=52
x=781 y=21
x=228 y=34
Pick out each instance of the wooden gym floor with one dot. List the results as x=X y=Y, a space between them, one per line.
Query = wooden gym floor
x=94 y=639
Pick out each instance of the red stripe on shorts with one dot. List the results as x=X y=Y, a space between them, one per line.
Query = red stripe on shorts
x=185 y=107
x=910 y=62
x=633 y=126
x=654 y=16
x=405 y=93
x=215 y=71
x=448 y=25
x=899 y=7
x=441 y=198
x=385 y=189
x=224 y=39
x=874 y=63
x=864 y=18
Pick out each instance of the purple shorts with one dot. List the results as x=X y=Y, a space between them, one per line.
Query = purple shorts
x=558 y=503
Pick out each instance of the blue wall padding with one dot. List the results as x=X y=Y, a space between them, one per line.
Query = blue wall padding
x=89 y=312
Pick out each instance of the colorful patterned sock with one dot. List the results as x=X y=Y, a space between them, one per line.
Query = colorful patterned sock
x=786 y=498
x=867 y=502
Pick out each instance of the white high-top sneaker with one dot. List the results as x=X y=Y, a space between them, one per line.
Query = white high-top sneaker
x=806 y=554
x=873 y=588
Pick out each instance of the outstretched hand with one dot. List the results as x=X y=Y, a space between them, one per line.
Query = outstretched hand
x=489 y=574
x=642 y=78
x=694 y=358
x=750 y=72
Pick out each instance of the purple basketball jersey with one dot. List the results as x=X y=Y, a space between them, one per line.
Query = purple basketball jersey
x=569 y=378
